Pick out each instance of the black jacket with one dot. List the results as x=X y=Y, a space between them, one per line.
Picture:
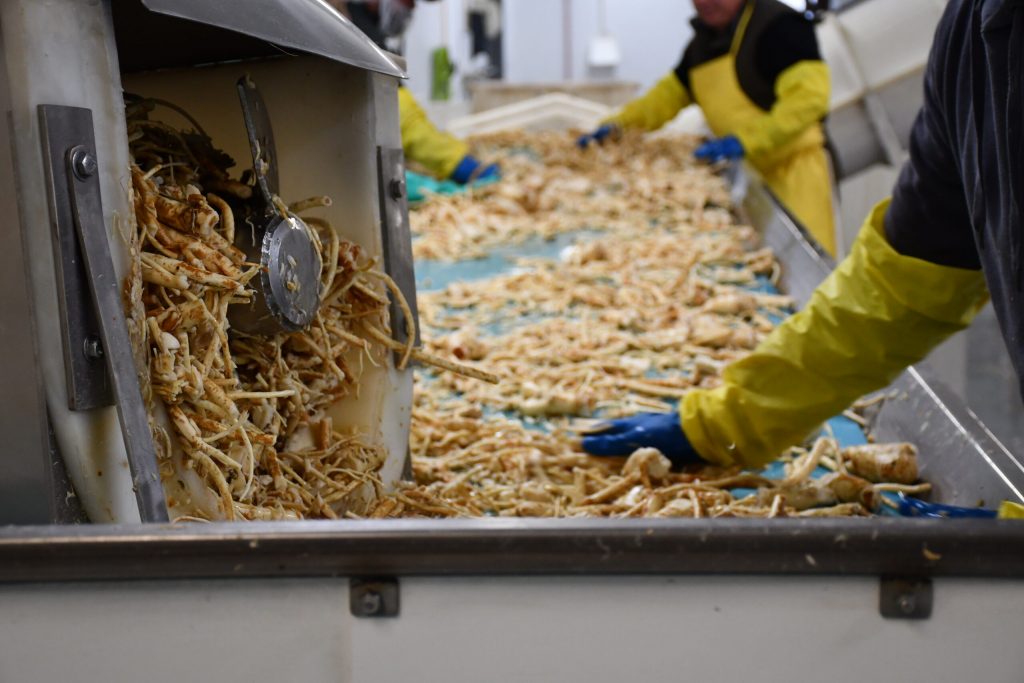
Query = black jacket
x=776 y=38
x=958 y=199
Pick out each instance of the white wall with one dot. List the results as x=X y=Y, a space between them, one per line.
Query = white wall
x=540 y=48
x=651 y=35
x=435 y=24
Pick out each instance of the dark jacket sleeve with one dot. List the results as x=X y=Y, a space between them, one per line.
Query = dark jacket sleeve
x=786 y=41
x=682 y=69
x=929 y=217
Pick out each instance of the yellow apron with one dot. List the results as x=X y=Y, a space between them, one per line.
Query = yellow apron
x=798 y=171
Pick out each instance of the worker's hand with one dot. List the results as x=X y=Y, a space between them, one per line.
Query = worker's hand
x=722 y=149
x=471 y=169
x=654 y=430
x=599 y=136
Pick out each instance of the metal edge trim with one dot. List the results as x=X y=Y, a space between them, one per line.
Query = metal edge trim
x=906 y=547
x=386 y=65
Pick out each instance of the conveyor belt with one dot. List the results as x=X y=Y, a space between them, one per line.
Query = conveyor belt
x=436 y=275
x=965 y=463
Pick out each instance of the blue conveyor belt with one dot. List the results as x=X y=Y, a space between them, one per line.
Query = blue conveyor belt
x=436 y=275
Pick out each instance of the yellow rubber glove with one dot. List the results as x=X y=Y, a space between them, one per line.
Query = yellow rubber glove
x=877 y=313
x=1009 y=510
x=656 y=107
x=439 y=153
x=801 y=101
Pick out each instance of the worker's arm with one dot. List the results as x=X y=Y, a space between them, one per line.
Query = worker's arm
x=876 y=314
x=912 y=278
x=802 y=93
x=438 y=152
x=656 y=107
x=788 y=56
x=651 y=111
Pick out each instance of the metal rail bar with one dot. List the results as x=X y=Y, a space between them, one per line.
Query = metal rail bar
x=882 y=546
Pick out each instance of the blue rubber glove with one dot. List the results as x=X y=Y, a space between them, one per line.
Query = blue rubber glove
x=913 y=507
x=727 y=148
x=598 y=136
x=471 y=169
x=655 y=430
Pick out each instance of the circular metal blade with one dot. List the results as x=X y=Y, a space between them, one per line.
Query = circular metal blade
x=287 y=290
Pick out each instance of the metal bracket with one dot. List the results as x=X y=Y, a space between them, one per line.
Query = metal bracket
x=86 y=373
x=373 y=597
x=905 y=598
x=396 y=237
x=69 y=153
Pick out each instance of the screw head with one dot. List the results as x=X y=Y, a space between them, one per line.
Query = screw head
x=84 y=164
x=93 y=348
x=371 y=602
x=397 y=188
x=907 y=603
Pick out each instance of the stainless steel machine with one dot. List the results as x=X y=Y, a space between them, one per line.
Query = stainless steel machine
x=75 y=428
x=454 y=600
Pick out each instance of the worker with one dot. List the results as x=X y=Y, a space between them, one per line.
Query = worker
x=754 y=68
x=441 y=154
x=921 y=267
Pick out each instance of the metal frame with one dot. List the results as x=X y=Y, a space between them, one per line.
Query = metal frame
x=397 y=241
x=69 y=155
x=30 y=488
x=86 y=373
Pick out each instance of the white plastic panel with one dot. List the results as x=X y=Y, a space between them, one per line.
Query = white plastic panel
x=846 y=82
x=553 y=111
x=890 y=38
x=468 y=630
x=710 y=629
x=288 y=630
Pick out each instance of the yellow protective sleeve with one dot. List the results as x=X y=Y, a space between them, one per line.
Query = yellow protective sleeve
x=656 y=107
x=801 y=101
x=877 y=313
x=1009 y=510
x=423 y=143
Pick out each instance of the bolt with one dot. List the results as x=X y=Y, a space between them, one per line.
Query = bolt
x=906 y=603
x=397 y=188
x=371 y=602
x=93 y=348
x=84 y=164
